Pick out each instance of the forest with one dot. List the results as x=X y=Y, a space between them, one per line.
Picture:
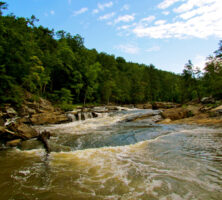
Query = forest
x=57 y=66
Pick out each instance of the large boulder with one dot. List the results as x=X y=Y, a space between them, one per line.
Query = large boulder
x=22 y=130
x=176 y=113
x=48 y=118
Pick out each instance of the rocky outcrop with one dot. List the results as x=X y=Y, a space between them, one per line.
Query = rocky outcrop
x=144 y=106
x=48 y=118
x=164 y=105
x=176 y=113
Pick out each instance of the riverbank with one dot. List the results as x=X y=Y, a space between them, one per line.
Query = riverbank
x=195 y=113
x=16 y=123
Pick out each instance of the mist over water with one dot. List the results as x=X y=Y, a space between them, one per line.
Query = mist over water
x=110 y=158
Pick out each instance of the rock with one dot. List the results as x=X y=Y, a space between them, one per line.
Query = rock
x=195 y=109
x=144 y=106
x=100 y=109
x=48 y=118
x=147 y=106
x=22 y=131
x=112 y=108
x=6 y=134
x=165 y=121
x=208 y=100
x=13 y=143
x=216 y=111
x=2 y=121
x=10 y=112
x=25 y=110
x=164 y=105
x=94 y=114
x=140 y=117
x=128 y=106
x=176 y=113
x=31 y=144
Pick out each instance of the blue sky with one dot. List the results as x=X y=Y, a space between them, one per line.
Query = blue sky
x=165 y=33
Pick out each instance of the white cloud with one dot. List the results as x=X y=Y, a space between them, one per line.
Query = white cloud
x=152 y=49
x=95 y=11
x=101 y=7
x=148 y=19
x=107 y=16
x=124 y=27
x=128 y=48
x=125 y=18
x=79 y=12
x=69 y=2
x=160 y=22
x=167 y=3
x=52 y=12
x=200 y=19
x=125 y=7
x=190 y=4
x=166 y=13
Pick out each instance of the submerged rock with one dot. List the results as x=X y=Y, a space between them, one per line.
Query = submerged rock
x=31 y=144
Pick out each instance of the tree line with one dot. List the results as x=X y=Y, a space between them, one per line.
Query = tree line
x=60 y=68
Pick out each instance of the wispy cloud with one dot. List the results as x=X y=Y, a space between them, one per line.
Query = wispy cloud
x=69 y=2
x=79 y=12
x=125 y=7
x=200 y=19
x=165 y=12
x=107 y=16
x=52 y=12
x=127 y=48
x=167 y=3
x=125 y=18
x=148 y=19
x=153 y=49
x=101 y=7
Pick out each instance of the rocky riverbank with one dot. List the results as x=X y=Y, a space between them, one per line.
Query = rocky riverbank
x=194 y=113
x=16 y=124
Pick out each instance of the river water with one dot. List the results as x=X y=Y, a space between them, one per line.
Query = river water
x=110 y=158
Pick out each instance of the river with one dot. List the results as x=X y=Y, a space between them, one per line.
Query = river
x=112 y=158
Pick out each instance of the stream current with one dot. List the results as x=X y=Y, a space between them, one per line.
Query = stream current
x=113 y=158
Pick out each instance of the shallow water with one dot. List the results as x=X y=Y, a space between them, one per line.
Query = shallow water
x=109 y=158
